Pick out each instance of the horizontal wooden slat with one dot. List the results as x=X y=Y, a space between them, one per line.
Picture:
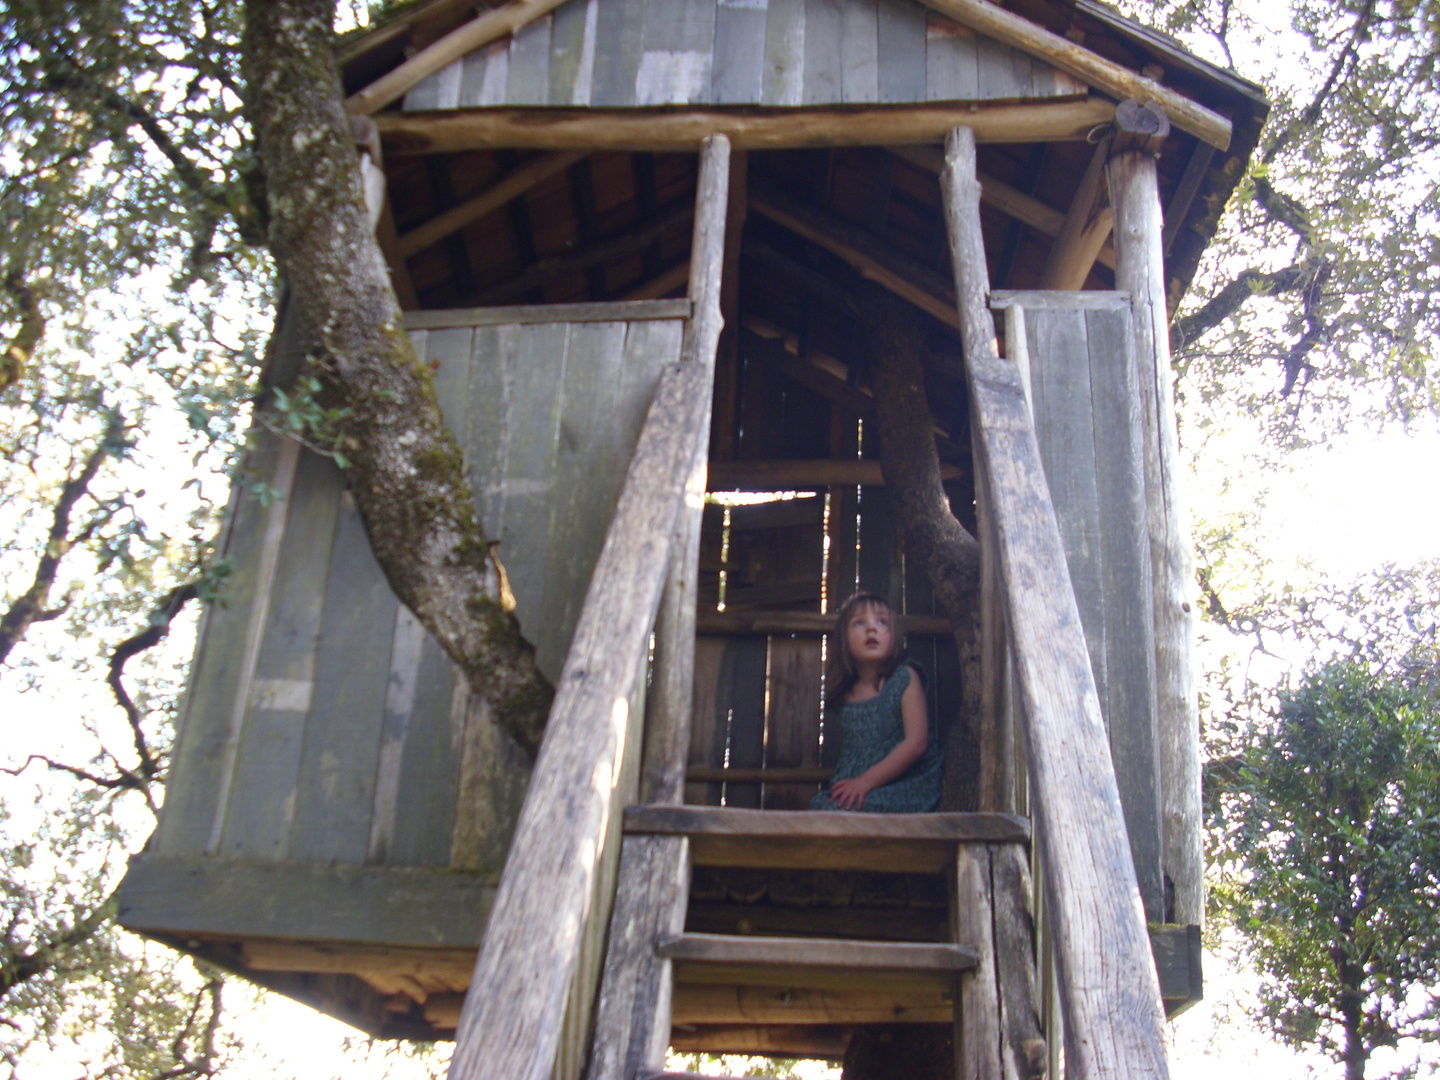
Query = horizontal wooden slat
x=789 y=1040
x=803 y=473
x=803 y=622
x=801 y=1005
x=824 y=840
x=773 y=952
x=758 y=776
x=522 y=314
x=748 y=128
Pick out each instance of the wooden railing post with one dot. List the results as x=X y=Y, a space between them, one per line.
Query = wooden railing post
x=1108 y=987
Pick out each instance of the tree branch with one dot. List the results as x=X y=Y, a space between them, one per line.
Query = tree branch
x=27 y=337
x=21 y=968
x=406 y=471
x=1233 y=297
x=28 y=608
x=160 y=619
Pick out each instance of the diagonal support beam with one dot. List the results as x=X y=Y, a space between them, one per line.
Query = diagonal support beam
x=1085 y=230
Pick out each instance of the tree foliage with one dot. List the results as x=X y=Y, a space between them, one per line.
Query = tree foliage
x=1326 y=836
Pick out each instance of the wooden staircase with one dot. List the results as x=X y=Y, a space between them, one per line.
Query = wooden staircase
x=582 y=864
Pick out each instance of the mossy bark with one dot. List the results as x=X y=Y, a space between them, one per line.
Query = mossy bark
x=896 y=342
x=405 y=467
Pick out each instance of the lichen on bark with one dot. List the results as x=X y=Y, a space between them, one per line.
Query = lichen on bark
x=405 y=467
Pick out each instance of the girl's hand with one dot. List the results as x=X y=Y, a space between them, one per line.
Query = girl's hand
x=849 y=794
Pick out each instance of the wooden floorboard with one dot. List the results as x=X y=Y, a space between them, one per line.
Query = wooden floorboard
x=772 y=952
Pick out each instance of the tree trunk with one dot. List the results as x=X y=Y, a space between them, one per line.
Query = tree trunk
x=404 y=466
x=895 y=340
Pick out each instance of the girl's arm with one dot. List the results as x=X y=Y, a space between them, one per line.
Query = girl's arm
x=850 y=794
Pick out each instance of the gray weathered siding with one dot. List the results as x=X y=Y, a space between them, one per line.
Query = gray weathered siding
x=624 y=53
x=323 y=724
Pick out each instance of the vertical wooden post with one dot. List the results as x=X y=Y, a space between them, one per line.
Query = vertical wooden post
x=632 y=1019
x=977 y=1019
x=1140 y=271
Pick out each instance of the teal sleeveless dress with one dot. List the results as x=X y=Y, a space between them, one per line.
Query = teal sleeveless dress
x=868 y=731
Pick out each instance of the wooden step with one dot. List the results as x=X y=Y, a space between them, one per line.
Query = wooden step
x=822 y=839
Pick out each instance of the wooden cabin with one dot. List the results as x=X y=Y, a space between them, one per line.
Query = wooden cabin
x=577 y=195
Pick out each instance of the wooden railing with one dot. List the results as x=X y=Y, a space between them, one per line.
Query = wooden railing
x=527 y=1005
x=1109 y=993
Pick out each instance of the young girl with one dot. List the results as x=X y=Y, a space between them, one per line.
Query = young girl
x=888 y=762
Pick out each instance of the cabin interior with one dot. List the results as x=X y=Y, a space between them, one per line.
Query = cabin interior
x=340 y=811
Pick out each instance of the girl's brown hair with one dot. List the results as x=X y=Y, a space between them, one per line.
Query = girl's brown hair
x=842 y=674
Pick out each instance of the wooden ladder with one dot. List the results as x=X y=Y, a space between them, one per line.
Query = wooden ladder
x=650 y=952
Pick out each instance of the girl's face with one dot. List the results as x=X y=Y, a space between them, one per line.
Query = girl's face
x=869 y=635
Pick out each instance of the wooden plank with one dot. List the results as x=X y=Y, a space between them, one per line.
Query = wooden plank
x=618 y=27
x=1003 y=73
x=802 y=473
x=859 y=52
x=1124 y=557
x=286 y=462
x=1107 y=976
x=483 y=77
x=737 y=73
x=424 y=96
x=257 y=822
x=618 y=128
x=783 y=78
x=528 y=79
x=677 y=44
x=741 y=700
x=707 y=727
x=335 y=793
x=794 y=1040
x=228 y=898
x=900 y=34
x=801 y=622
x=824 y=23
x=491 y=26
x=1074 y=59
x=1065 y=434
x=771 y=774
x=423 y=819
x=528 y=314
x=952 y=70
x=1040 y=300
x=407 y=647
x=816 y=952
x=819 y=919
x=798 y=1005
x=793 y=724
x=572 y=53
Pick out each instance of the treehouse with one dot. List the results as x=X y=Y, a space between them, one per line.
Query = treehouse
x=635 y=241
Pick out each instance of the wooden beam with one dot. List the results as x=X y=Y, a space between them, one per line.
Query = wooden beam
x=1108 y=985
x=803 y=622
x=795 y=952
x=1185 y=192
x=872 y=257
x=1085 y=230
x=793 y=1040
x=798 y=775
x=514 y=184
x=1140 y=271
x=475 y=34
x=1005 y=198
x=804 y=473
x=1120 y=82
x=748 y=128
x=553 y=266
x=400 y=24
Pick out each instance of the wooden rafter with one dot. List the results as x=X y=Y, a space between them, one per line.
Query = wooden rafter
x=475 y=34
x=1089 y=67
x=511 y=186
x=1085 y=230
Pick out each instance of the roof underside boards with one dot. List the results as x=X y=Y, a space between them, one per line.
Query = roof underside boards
x=628 y=53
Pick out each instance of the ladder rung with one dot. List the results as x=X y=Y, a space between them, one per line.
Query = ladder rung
x=824 y=840
x=773 y=952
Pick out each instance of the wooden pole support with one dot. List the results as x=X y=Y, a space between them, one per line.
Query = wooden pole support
x=1140 y=271
x=1140 y=127
x=1108 y=983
